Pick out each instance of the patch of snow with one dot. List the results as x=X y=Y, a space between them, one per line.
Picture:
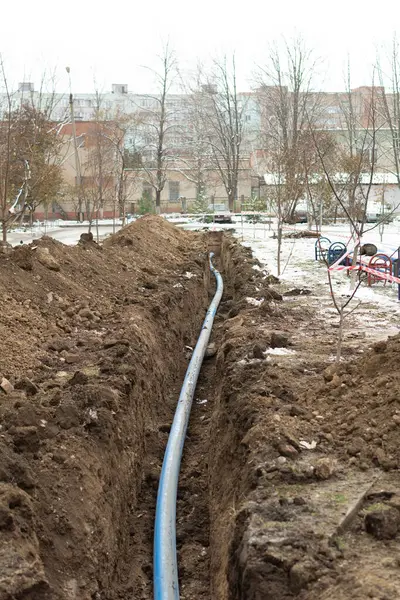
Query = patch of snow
x=254 y=301
x=308 y=445
x=279 y=351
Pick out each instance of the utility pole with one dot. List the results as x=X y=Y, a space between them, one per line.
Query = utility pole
x=77 y=161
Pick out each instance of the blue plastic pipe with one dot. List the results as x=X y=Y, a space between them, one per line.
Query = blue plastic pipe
x=166 y=585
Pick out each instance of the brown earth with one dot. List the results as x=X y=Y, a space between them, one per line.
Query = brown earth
x=297 y=445
x=95 y=341
x=90 y=349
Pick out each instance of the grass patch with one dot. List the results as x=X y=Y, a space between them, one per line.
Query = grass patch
x=374 y=507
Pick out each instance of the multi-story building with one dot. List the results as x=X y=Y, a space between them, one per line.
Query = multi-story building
x=345 y=116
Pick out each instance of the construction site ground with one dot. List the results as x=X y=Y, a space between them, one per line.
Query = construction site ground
x=290 y=482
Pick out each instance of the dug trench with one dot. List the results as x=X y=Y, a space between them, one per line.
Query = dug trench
x=288 y=486
x=95 y=341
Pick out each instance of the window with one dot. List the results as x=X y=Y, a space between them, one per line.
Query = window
x=247 y=117
x=174 y=191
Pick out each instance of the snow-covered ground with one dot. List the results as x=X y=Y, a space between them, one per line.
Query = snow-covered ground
x=378 y=310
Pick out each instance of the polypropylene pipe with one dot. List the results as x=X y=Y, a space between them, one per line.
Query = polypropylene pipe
x=166 y=585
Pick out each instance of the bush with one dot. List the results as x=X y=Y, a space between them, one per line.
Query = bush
x=146 y=204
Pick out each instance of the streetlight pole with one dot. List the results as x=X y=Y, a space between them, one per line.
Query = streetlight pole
x=77 y=161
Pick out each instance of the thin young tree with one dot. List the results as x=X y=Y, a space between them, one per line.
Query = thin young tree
x=222 y=113
x=350 y=178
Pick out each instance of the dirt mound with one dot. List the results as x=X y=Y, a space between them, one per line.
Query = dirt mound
x=88 y=350
x=151 y=235
x=38 y=302
x=362 y=406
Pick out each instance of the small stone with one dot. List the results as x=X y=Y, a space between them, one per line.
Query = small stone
x=355 y=447
x=78 y=378
x=287 y=450
x=279 y=340
x=383 y=523
x=46 y=259
x=379 y=347
x=329 y=372
x=71 y=358
x=86 y=313
x=396 y=419
x=211 y=350
x=6 y=386
x=50 y=297
x=299 y=501
x=380 y=457
x=281 y=460
x=258 y=351
x=27 y=385
x=325 y=468
x=58 y=345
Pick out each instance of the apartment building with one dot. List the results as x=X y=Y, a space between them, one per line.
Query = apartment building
x=182 y=143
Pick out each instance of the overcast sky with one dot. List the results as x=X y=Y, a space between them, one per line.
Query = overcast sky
x=108 y=41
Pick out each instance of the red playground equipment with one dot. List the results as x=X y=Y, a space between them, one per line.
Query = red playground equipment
x=380 y=263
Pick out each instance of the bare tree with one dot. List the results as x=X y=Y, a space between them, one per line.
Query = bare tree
x=159 y=126
x=31 y=151
x=37 y=154
x=289 y=109
x=350 y=177
x=389 y=73
x=195 y=159
x=5 y=154
x=222 y=113
x=98 y=181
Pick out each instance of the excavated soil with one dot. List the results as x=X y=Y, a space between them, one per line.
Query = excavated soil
x=289 y=485
x=304 y=458
x=92 y=339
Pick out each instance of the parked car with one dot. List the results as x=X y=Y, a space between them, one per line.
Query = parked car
x=221 y=213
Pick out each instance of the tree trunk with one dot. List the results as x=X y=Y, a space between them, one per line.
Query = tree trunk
x=158 y=202
x=279 y=248
x=231 y=202
x=353 y=277
x=4 y=227
x=340 y=337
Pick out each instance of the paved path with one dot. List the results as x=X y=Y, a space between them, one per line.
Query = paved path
x=66 y=235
